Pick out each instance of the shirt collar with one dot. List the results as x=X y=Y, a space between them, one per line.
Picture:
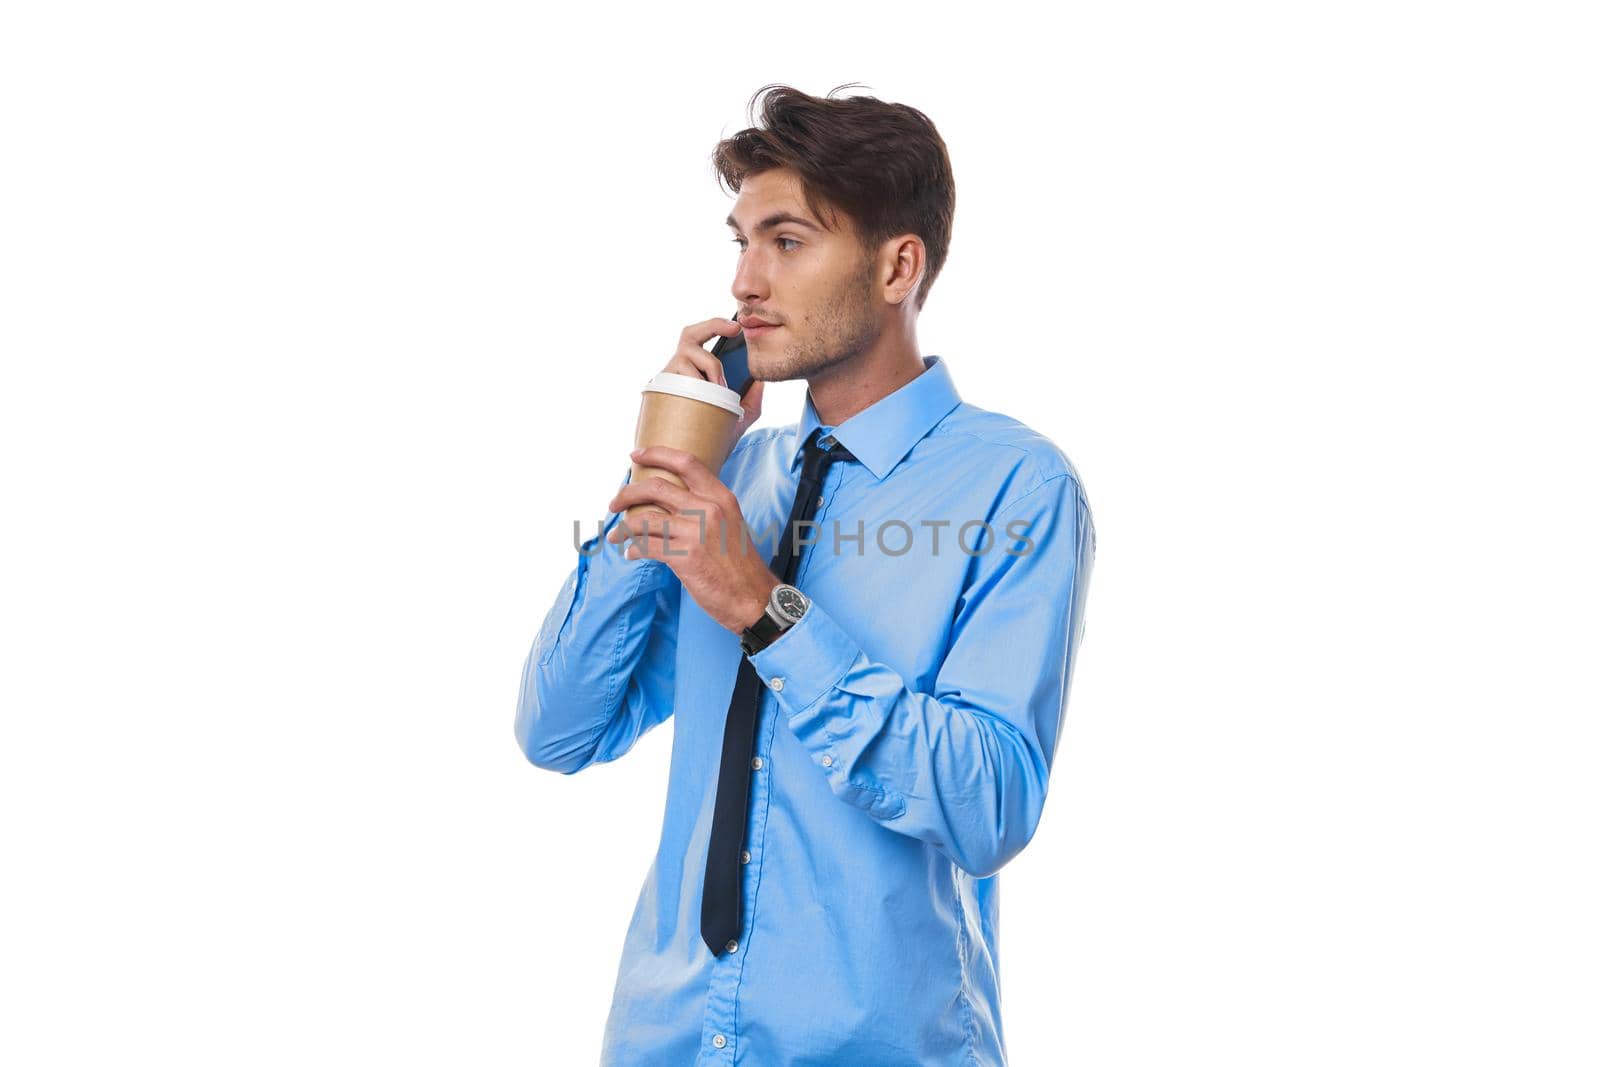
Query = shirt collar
x=881 y=434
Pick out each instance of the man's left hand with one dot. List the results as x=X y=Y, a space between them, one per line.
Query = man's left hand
x=702 y=537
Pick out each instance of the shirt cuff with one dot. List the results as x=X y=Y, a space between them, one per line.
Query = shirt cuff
x=806 y=660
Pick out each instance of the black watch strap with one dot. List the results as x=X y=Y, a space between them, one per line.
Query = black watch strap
x=760 y=634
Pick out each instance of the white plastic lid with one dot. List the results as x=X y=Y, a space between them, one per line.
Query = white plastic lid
x=695 y=389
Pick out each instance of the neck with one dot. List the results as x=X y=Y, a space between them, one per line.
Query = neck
x=842 y=391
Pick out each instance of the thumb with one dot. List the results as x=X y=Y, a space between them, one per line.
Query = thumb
x=751 y=401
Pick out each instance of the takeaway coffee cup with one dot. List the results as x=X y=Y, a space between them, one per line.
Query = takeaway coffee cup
x=683 y=411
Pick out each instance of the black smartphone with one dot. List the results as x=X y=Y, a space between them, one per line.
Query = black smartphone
x=735 y=357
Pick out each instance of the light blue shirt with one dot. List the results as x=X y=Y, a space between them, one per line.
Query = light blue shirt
x=903 y=746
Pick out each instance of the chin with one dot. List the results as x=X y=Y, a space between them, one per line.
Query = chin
x=768 y=370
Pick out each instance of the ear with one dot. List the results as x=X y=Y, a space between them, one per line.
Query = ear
x=904 y=259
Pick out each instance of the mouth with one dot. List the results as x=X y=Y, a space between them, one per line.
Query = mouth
x=752 y=332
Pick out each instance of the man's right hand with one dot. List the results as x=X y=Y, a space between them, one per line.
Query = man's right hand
x=694 y=360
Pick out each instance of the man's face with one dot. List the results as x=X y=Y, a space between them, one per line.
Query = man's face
x=817 y=285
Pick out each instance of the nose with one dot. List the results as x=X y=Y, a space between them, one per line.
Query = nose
x=750 y=279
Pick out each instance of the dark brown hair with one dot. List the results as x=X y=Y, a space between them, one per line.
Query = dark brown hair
x=883 y=165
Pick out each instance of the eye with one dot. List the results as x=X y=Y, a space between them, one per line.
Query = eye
x=792 y=240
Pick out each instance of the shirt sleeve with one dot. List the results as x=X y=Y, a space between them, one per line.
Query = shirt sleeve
x=601 y=670
x=965 y=767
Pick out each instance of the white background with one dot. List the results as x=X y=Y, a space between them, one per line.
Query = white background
x=322 y=322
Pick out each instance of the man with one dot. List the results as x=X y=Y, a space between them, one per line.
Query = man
x=854 y=760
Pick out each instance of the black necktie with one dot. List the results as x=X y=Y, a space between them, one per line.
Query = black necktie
x=720 y=915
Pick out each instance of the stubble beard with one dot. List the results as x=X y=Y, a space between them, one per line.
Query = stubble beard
x=840 y=331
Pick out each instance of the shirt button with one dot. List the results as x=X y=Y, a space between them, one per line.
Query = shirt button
x=733 y=946
x=777 y=684
x=719 y=1041
x=821 y=500
x=827 y=761
x=744 y=857
x=827 y=441
x=756 y=763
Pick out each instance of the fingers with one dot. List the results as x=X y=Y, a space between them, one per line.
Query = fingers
x=696 y=362
x=653 y=524
x=644 y=547
x=651 y=546
x=656 y=535
x=701 y=332
x=692 y=359
x=657 y=491
x=686 y=465
x=677 y=536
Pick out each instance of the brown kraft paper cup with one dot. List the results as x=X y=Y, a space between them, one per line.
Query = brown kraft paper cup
x=673 y=413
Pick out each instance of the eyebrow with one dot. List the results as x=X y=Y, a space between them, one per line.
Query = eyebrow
x=779 y=219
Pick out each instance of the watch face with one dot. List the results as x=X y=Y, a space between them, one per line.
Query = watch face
x=790 y=601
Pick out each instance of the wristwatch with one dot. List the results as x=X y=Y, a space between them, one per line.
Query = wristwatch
x=785 y=607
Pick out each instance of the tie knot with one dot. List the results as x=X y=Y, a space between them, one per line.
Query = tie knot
x=821 y=451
